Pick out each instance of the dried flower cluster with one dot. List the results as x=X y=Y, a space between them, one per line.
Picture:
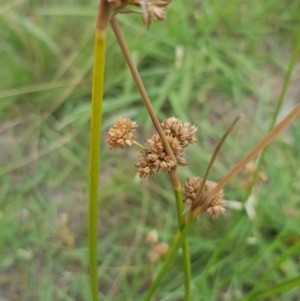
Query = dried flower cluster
x=179 y=135
x=150 y=9
x=158 y=249
x=121 y=132
x=192 y=185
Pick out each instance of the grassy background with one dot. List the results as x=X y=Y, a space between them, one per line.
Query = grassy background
x=235 y=55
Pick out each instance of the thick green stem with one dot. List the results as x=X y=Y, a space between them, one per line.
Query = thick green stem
x=178 y=241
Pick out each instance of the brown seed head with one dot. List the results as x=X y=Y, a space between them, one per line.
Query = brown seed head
x=179 y=136
x=190 y=189
x=155 y=157
x=121 y=132
x=183 y=131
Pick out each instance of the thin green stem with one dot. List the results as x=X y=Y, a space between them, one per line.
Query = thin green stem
x=142 y=147
x=177 y=243
x=185 y=245
x=95 y=138
x=181 y=224
x=277 y=110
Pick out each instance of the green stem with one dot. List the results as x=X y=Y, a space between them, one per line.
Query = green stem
x=138 y=145
x=185 y=245
x=178 y=241
x=95 y=138
x=277 y=109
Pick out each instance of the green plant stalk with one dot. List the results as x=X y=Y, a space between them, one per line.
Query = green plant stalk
x=177 y=243
x=185 y=245
x=140 y=146
x=95 y=138
x=279 y=104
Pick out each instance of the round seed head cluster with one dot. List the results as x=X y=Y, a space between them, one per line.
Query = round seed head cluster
x=121 y=132
x=150 y=9
x=183 y=131
x=155 y=157
x=192 y=185
x=158 y=251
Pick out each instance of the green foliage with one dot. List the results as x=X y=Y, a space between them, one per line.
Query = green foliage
x=235 y=55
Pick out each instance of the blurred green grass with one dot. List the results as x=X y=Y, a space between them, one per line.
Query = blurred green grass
x=235 y=54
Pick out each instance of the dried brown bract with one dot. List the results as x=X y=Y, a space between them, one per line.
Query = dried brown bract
x=155 y=157
x=149 y=9
x=121 y=132
x=191 y=187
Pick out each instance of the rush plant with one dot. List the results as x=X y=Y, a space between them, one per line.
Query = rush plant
x=164 y=151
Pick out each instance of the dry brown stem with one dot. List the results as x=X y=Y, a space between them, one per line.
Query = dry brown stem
x=212 y=160
x=103 y=15
x=135 y=74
